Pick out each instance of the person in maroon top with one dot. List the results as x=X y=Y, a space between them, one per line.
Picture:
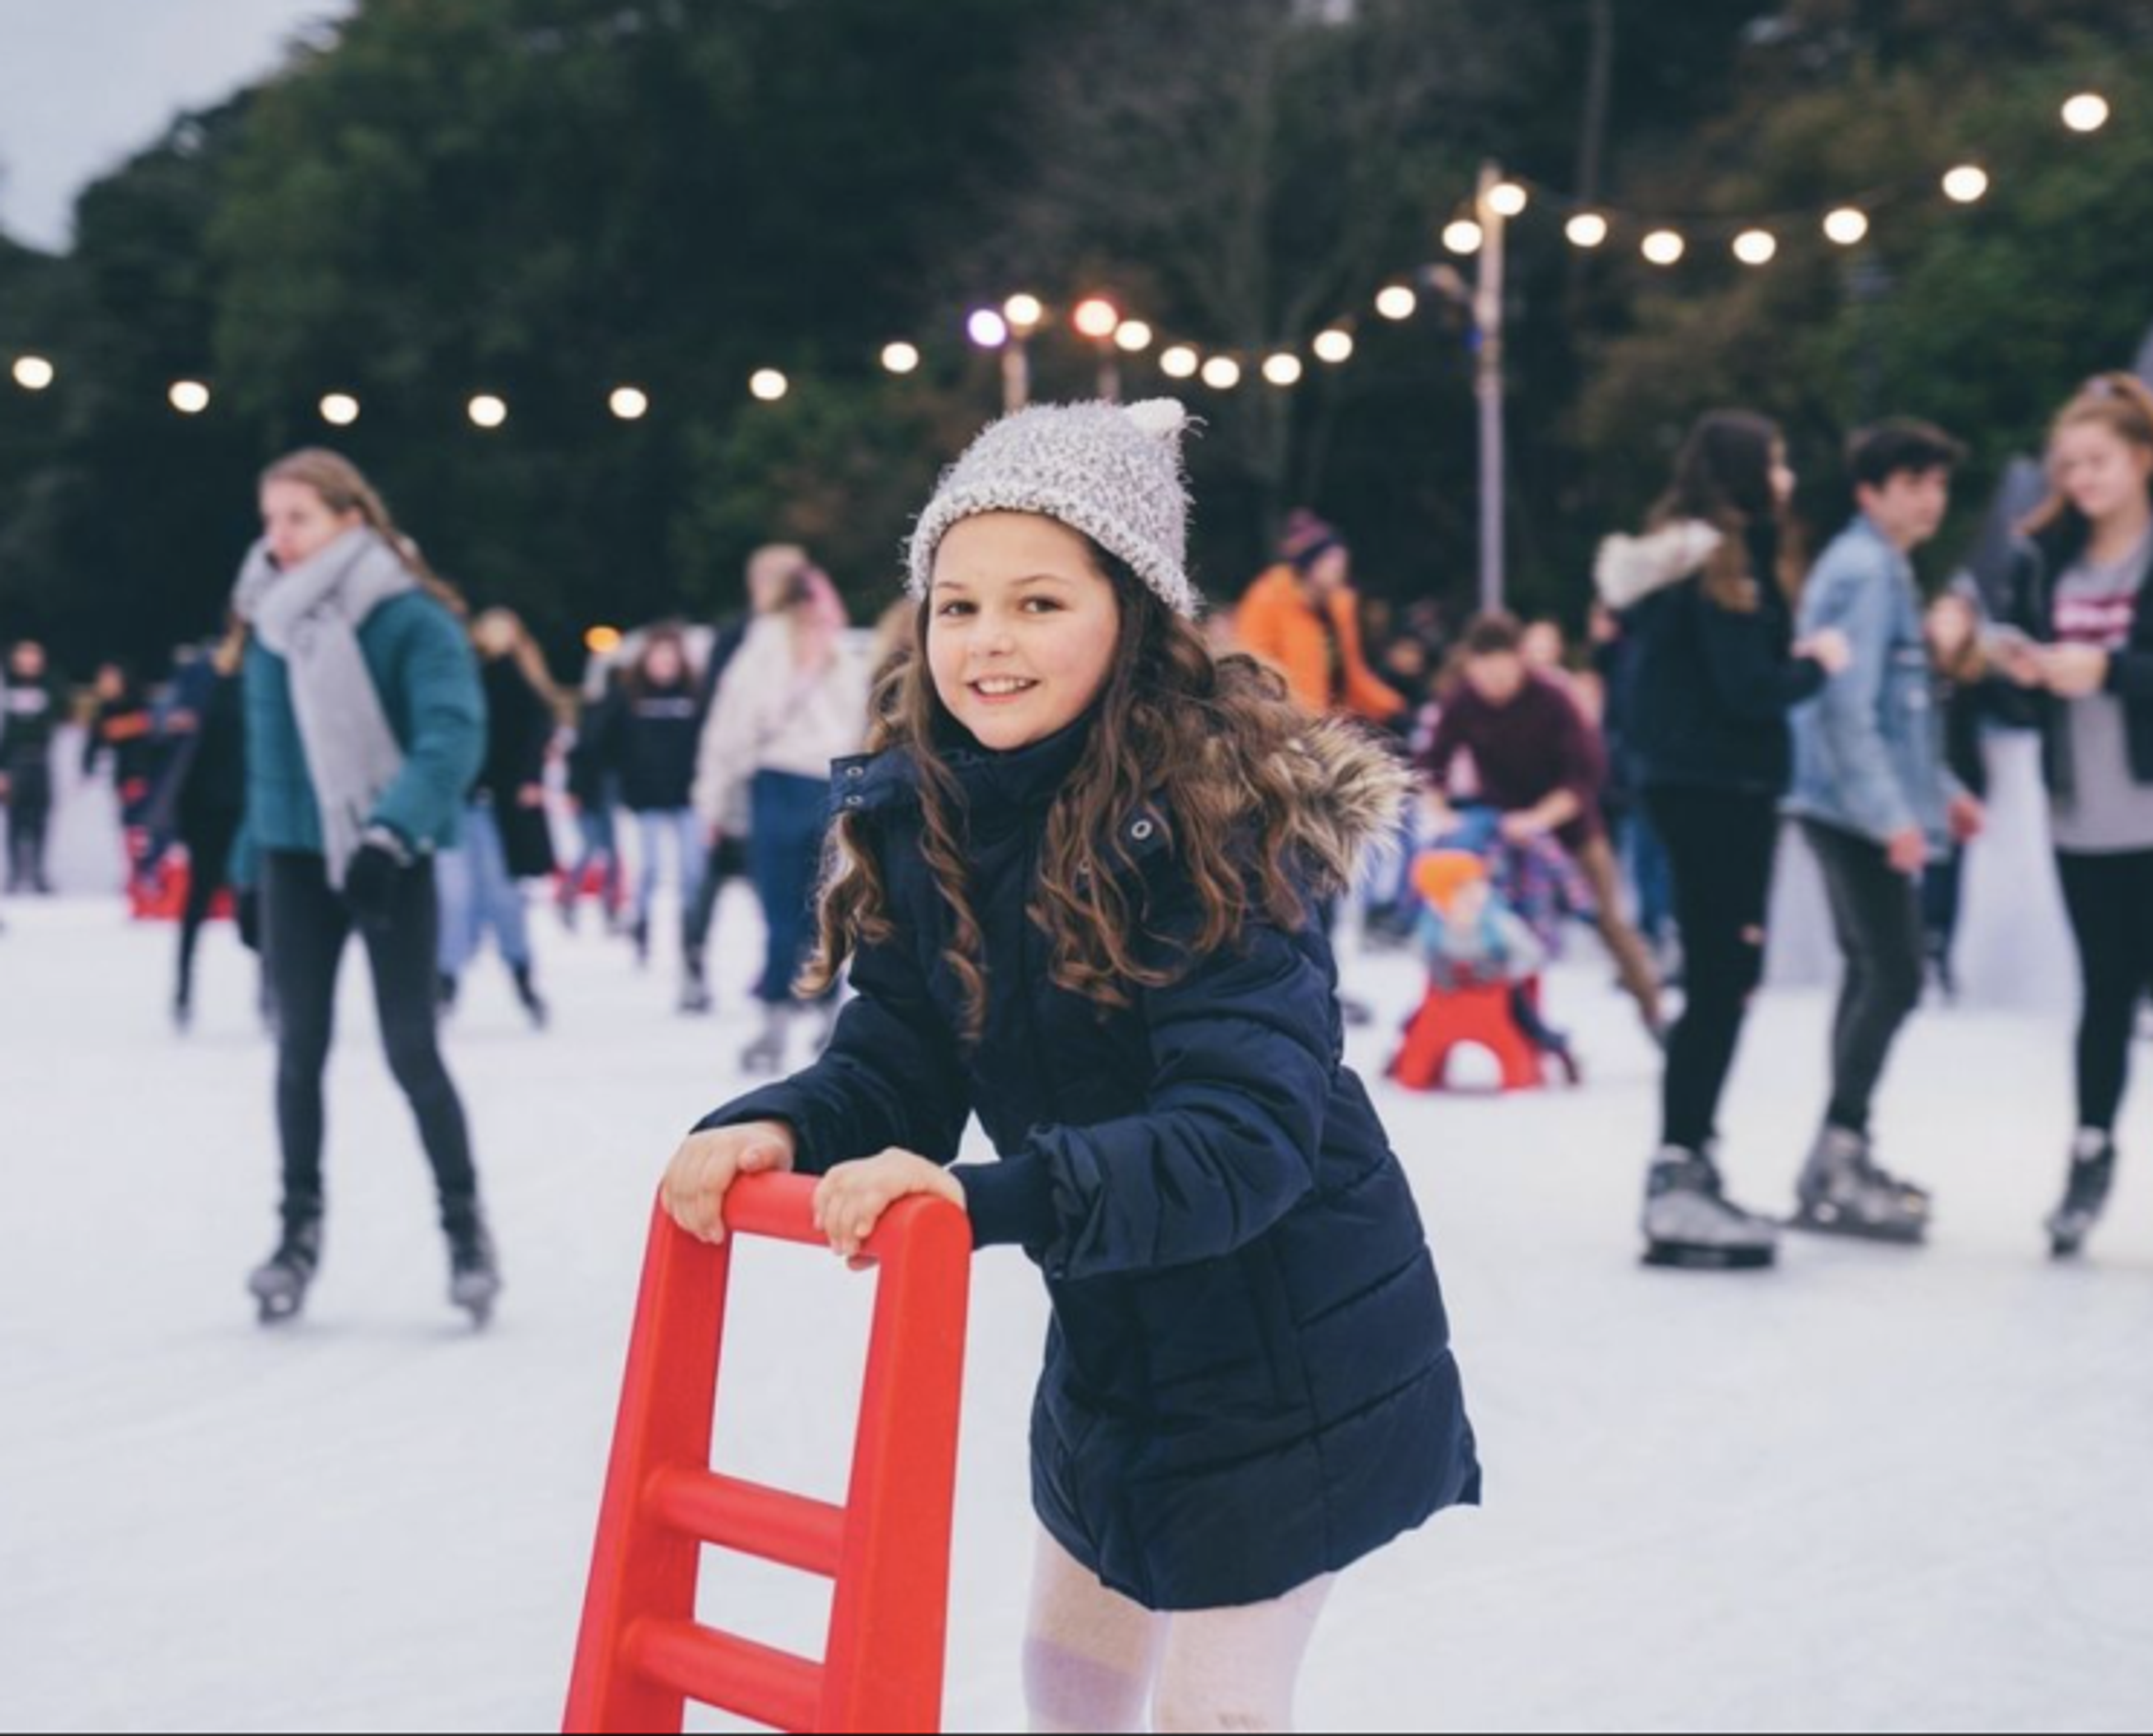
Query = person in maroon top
x=1535 y=759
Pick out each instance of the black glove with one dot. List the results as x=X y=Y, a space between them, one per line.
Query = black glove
x=374 y=877
x=246 y=912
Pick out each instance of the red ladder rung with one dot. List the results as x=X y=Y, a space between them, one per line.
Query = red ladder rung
x=757 y=1682
x=769 y=1524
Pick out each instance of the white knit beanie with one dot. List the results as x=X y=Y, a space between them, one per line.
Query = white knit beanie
x=1112 y=472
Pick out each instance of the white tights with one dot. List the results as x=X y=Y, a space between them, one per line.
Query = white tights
x=1093 y=1658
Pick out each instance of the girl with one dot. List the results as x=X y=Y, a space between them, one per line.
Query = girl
x=1706 y=601
x=648 y=738
x=794 y=699
x=2080 y=643
x=1076 y=887
x=365 y=728
x=505 y=839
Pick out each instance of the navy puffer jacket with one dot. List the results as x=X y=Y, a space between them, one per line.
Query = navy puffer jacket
x=1249 y=1380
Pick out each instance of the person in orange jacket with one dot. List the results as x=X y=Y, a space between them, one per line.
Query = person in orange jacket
x=1302 y=617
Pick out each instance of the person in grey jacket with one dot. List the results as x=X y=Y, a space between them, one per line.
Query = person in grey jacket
x=1878 y=806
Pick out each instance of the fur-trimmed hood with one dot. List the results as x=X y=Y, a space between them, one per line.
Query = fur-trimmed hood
x=1630 y=569
x=1350 y=794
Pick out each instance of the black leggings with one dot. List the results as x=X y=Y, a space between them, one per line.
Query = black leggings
x=304 y=928
x=1720 y=845
x=1876 y=915
x=2111 y=899
x=208 y=834
x=29 y=817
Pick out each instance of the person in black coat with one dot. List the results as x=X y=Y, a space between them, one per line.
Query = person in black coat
x=31 y=713
x=1078 y=892
x=2078 y=645
x=1714 y=672
x=506 y=838
x=647 y=737
x=201 y=799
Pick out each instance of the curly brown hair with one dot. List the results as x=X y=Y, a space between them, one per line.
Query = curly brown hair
x=1208 y=743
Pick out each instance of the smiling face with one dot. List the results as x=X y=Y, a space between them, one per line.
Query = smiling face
x=2104 y=475
x=1021 y=627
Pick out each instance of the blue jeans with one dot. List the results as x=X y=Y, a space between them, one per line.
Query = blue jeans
x=478 y=895
x=785 y=854
x=1651 y=876
x=681 y=825
x=601 y=849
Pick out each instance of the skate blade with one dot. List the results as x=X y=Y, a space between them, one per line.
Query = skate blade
x=476 y=1298
x=276 y=1304
x=1692 y=1256
x=1905 y=1235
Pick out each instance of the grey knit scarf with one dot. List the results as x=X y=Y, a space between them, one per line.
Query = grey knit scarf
x=310 y=617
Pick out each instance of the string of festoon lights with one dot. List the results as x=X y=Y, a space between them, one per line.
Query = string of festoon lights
x=1118 y=338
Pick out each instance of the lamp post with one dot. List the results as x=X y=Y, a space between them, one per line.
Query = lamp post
x=1022 y=314
x=1496 y=206
x=1098 y=319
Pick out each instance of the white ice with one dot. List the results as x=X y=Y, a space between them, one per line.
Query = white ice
x=1877 y=1490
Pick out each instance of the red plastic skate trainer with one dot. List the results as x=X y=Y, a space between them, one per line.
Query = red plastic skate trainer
x=641 y=1655
x=1448 y=1021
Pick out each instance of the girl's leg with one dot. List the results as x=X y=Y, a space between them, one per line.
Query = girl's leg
x=650 y=828
x=2099 y=892
x=785 y=847
x=1721 y=849
x=694 y=862
x=402 y=954
x=1236 y=1669
x=499 y=898
x=304 y=926
x=457 y=890
x=1088 y=1652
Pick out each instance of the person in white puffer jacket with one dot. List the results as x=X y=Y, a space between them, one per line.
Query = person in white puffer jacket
x=794 y=699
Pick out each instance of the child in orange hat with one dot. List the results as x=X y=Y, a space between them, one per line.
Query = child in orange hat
x=1471 y=939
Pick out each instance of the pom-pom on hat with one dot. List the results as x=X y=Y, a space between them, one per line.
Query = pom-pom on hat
x=1439 y=875
x=1111 y=472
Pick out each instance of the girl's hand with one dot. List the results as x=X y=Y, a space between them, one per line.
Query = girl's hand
x=2075 y=671
x=850 y=1200
x=704 y=1168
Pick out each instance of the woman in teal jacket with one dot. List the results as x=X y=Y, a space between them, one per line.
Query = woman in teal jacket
x=365 y=725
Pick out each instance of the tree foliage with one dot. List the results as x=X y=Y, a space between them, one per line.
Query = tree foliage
x=546 y=198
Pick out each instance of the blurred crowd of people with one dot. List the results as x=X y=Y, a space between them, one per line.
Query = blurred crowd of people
x=1638 y=782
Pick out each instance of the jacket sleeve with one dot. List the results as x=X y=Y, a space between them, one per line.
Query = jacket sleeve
x=1442 y=751
x=1257 y=624
x=892 y=1076
x=1750 y=674
x=1367 y=694
x=1848 y=734
x=729 y=733
x=444 y=729
x=1244 y=1053
x=2011 y=705
x=1584 y=758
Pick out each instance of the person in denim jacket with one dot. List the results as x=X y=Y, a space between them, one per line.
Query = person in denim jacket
x=1878 y=805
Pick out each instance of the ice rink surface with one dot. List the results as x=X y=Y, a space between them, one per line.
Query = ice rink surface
x=1877 y=1490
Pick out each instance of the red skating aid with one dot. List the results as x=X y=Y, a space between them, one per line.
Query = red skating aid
x=641 y=1654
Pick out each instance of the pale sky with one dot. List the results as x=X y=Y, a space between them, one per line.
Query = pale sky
x=86 y=83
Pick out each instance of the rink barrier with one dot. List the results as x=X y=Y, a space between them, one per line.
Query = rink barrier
x=641 y=1655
